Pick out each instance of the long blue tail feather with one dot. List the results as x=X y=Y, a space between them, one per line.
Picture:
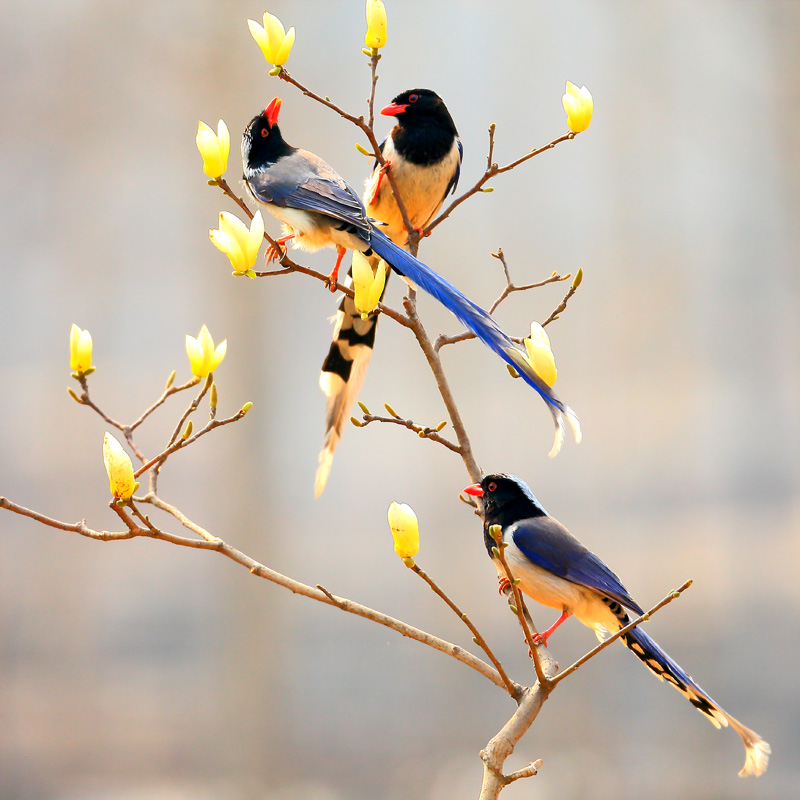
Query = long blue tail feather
x=478 y=321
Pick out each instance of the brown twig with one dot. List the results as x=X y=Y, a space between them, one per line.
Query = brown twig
x=621 y=632
x=493 y=169
x=562 y=305
x=514 y=689
x=519 y=606
x=374 y=144
x=526 y=772
x=211 y=425
x=373 y=66
x=510 y=288
x=423 y=431
x=223 y=184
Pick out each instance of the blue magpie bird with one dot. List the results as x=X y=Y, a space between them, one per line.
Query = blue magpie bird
x=555 y=569
x=425 y=154
x=318 y=208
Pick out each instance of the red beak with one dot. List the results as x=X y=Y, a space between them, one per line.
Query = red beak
x=393 y=109
x=272 y=110
x=474 y=489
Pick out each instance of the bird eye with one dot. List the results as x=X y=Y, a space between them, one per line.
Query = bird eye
x=412 y=98
x=492 y=486
x=264 y=133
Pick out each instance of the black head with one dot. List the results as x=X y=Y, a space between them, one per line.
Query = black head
x=422 y=105
x=506 y=499
x=262 y=143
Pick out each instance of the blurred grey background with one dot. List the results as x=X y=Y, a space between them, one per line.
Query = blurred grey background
x=138 y=670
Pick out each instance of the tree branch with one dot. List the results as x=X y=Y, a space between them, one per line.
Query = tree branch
x=256 y=568
x=514 y=689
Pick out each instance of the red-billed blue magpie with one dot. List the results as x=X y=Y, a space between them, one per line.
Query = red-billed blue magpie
x=319 y=208
x=555 y=569
x=424 y=154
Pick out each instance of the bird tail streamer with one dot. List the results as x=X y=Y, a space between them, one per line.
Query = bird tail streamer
x=343 y=373
x=481 y=324
x=664 y=668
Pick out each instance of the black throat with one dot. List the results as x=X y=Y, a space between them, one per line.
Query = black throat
x=265 y=150
x=426 y=140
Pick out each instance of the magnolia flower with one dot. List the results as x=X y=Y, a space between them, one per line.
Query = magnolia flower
x=367 y=287
x=405 y=529
x=80 y=349
x=119 y=469
x=578 y=105
x=202 y=355
x=239 y=242
x=274 y=41
x=214 y=147
x=540 y=356
x=376 y=24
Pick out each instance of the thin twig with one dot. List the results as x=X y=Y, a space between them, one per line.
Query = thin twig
x=223 y=184
x=526 y=772
x=168 y=392
x=514 y=689
x=373 y=66
x=491 y=170
x=211 y=425
x=561 y=306
x=622 y=631
x=422 y=431
x=510 y=287
x=376 y=149
x=519 y=608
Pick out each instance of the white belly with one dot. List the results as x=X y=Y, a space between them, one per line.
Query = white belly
x=312 y=232
x=555 y=592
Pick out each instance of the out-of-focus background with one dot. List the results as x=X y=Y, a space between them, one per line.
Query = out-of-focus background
x=136 y=669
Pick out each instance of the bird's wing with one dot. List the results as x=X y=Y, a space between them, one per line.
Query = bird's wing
x=549 y=545
x=304 y=181
x=451 y=187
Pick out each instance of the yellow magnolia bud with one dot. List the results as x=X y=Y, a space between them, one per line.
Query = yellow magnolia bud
x=237 y=241
x=119 y=468
x=203 y=358
x=541 y=358
x=579 y=106
x=367 y=287
x=405 y=529
x=275 y=42
x=578 y=279
x=376 y=24
x=539 y=334
x=80 y=349
x=214 y=148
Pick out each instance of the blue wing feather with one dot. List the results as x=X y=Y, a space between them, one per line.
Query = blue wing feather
x=549 y=545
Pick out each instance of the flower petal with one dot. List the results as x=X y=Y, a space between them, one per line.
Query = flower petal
x=286 y=47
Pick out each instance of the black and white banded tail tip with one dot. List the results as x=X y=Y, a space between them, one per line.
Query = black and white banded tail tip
x=342 y=375
x=757 y=751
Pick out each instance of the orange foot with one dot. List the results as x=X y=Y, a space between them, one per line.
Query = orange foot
x=541 y=638
x=381 y=172
x=504 y=584
x=331 y=282
x=274 y=252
